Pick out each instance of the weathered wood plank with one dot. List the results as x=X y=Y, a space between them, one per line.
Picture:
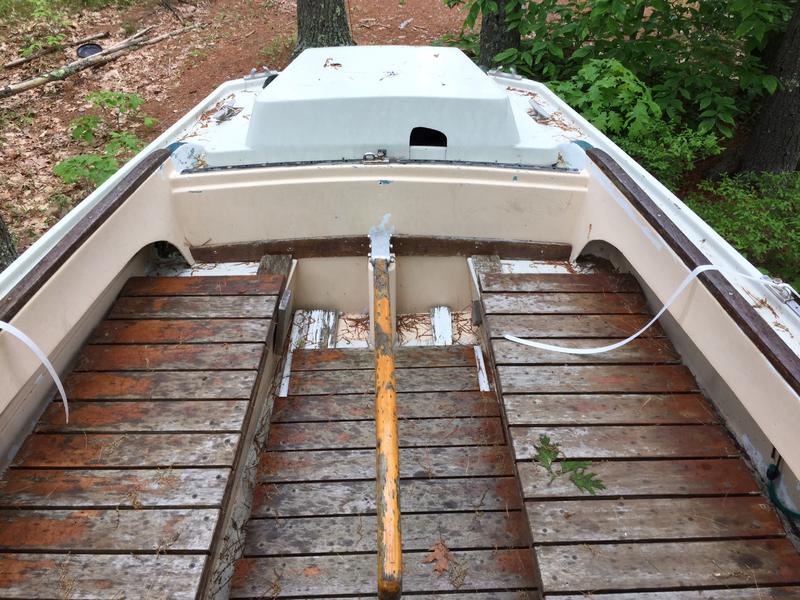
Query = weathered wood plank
x=601 y=283
x=109 y=488
x=628 y=441
x=648 y=351
x=321 y=465
x=54 y=450
x=306 y=576
x=585 y=379
x=194 y=307
x=759 y=593
x=99 y=576
x=163 y=385
x=181 y=331
x=443 y=379
x=720 y=477
x=691 y=565
x=405 y=357
x=477 y=431
x=571 y=326
x=228 y=285
x=530 y=594
x=170 y=357
x=362 y=407
x=608 y=409
x=550 y=303
x=581 y=521
x=107 y=530
x=156 y=416
x=358 y=497
x=322 y=535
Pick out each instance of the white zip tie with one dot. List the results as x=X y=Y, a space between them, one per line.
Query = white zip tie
x=42 y=358
x=684 y=284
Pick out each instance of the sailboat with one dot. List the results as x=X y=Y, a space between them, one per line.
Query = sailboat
x=384 y=324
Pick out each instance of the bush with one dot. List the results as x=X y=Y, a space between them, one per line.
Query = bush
x=700 y=59
x=759 y=214
x=622 y=106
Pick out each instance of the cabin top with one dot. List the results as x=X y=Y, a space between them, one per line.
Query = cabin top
x=407 y=103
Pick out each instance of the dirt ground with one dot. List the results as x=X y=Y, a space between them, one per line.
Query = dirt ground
x=233 y=37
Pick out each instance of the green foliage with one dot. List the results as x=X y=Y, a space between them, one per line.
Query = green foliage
x=109 y=146
x=700 y=59
x=52 y=11
x=547 y=455
x=39 y=44
x=759 y=214
x=95 y=168
x=611 y=97
x=84 y=127
x=622 y=106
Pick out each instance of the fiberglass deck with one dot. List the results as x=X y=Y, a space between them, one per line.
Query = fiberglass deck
x=681 y=511
x=124 y=500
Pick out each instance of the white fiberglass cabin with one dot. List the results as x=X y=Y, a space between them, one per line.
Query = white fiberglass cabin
x=270 y=397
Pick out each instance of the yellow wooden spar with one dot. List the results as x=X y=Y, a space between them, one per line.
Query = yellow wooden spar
x=390 y=560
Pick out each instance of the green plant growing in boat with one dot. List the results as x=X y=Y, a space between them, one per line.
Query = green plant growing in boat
x=112 y=147
x=548 y=455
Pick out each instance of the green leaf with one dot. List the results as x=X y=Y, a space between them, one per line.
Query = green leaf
x=586 y=481
x=547 y=452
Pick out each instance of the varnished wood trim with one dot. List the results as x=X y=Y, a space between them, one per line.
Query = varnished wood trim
x=403 y=245
x=779 y=354
x=36 y=278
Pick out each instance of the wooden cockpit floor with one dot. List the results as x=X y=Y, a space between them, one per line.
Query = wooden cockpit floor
x=313 y=527
x=681 y=511
x=124 y=500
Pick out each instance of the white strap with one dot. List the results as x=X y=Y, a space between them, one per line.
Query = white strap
x=684 y=284
x=42 y=358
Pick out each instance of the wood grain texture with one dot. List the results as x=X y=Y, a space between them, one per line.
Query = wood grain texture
x=582 y=521
x=628 y=441
x=586 y=379
x=306 y=576
x=100 y=577
x=720 y=477
x=112 y=488
x=444 y=379
x=564 y=303
x=601 y=283
x=351 y=407
x=107 y=530
x=163 y=385
x=321 y=465
x=181 y=331
x=53 y=450
x=571 y=326
x=228 y=285
x=323 y=535
x=619 y=567
x=358 y=497
x=170 y=357
x=753 y=593
x=361 y=434
x=644 y=351
x=608 y=409
x=405 y=356
x=197 y=307
x=156 y=416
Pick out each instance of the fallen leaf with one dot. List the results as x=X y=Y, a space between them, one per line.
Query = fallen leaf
x=440 y=555
x=311 y=571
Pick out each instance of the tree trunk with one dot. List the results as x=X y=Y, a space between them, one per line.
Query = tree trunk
x=495 y=36
x=774 y=143
x=7 y=250
x=322 y=23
